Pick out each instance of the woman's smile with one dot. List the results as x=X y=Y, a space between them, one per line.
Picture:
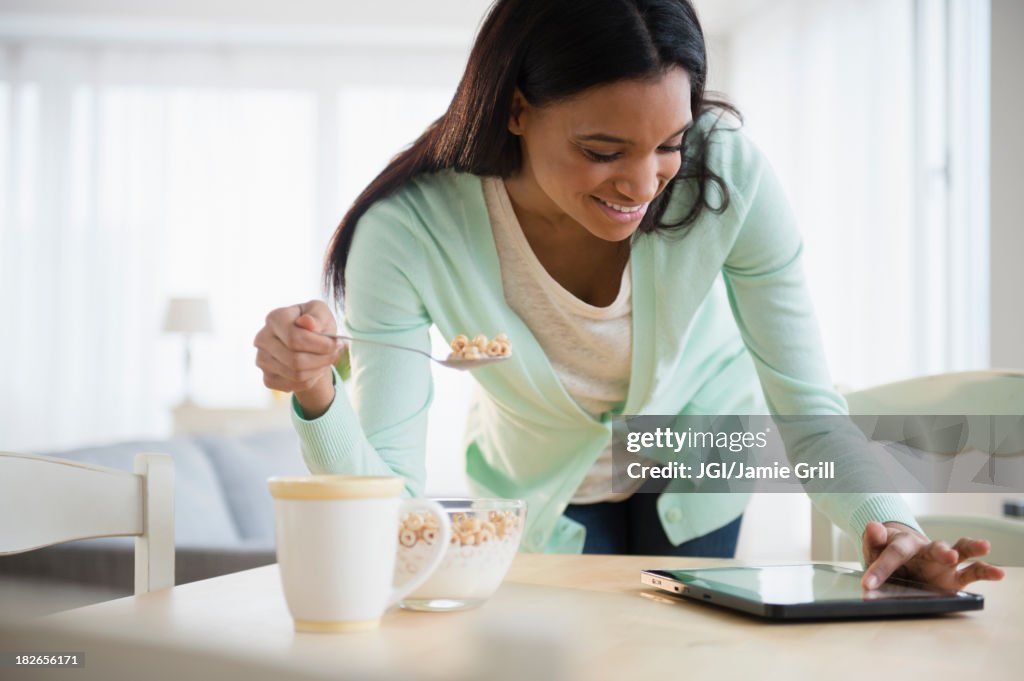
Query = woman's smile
x=620 y=213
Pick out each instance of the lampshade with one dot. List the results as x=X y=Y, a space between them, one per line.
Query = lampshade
x=188 y=315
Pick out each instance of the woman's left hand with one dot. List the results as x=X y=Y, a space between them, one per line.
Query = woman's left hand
x=893 y=549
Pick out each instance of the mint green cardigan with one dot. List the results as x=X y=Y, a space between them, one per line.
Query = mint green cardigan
x=713 y=312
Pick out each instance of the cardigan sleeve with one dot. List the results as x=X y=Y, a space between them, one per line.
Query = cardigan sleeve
x=378 y=421
x=772 y=307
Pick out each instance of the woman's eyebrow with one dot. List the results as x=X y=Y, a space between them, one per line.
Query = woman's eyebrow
x=603 y=137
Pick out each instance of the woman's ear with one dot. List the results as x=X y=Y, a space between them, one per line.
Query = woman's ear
x=517 y=112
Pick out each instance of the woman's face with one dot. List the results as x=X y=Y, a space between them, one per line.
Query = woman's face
x=600 y=157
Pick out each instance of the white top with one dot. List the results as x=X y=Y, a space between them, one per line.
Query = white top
x=590 y=348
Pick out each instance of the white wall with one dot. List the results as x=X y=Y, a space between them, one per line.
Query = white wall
x=1007 y=179
x=460 y=16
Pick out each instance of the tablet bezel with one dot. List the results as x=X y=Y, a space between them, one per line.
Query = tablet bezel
x=943 y=602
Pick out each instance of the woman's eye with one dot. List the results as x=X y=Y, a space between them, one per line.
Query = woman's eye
x=608 y=158
x=600 y=158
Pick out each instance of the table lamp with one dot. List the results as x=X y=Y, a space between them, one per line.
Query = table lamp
x=188 y=316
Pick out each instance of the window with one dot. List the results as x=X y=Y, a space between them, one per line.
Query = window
x=873 y=115
x=134 y=174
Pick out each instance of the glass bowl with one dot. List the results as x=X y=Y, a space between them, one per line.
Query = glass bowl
x=485 y=538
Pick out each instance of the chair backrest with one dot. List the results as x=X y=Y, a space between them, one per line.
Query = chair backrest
x=995 y=392
x=45 y=501
x=960 y=393
x=1005 y=535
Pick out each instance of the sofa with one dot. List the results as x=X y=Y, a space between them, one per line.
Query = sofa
x=224 y=519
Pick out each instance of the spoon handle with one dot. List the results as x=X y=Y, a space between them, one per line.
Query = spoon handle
x=382 y=343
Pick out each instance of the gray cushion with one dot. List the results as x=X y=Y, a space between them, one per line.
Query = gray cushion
x=97 y=563
x=201 y=516
x=243 y=464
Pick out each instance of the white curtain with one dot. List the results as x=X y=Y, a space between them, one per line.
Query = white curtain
x=131 y=175
x=848 y=100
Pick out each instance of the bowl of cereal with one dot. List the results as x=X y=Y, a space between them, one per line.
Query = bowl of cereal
x=484 y=539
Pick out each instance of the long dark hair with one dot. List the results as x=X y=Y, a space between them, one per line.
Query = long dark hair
x=552 y=50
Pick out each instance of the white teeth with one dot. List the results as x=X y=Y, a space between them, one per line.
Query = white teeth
x=623 y=209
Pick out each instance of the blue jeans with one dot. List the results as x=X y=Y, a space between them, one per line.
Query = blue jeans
x=633 y=527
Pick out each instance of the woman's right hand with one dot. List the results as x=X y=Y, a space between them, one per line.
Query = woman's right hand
x=295 y=358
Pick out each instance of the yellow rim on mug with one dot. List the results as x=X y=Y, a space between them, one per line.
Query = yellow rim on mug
x=328 y=487
x=313 y=627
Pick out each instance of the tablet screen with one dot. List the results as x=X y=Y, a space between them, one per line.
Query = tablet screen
x=789 y=584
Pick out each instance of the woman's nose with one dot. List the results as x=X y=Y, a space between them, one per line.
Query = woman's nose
x=640 y=181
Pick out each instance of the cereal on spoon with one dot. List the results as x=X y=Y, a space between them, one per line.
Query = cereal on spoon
x=479 y=347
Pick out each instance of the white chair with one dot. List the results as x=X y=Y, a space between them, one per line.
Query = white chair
x=1005 y=535
x=45 y=501
x=961 y=393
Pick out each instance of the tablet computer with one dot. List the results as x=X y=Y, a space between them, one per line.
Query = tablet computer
x=788 y=592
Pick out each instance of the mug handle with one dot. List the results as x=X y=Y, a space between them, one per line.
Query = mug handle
x=440 y=546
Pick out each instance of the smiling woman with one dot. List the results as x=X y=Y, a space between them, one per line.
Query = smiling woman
x=581 y=194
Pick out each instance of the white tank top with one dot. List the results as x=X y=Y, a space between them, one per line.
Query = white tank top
x=590 y=348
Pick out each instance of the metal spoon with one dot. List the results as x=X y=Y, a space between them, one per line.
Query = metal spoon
x=460 y=364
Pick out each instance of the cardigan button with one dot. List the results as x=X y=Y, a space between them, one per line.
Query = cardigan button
x=673 y=515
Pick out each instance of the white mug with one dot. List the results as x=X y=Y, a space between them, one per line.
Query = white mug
x=337 y=539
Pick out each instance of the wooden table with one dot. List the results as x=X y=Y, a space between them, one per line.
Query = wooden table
x=555 y=617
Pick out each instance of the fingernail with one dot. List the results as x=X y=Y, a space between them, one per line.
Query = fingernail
x=871 y=582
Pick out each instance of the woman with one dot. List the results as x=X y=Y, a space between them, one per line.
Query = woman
x=582 y=195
